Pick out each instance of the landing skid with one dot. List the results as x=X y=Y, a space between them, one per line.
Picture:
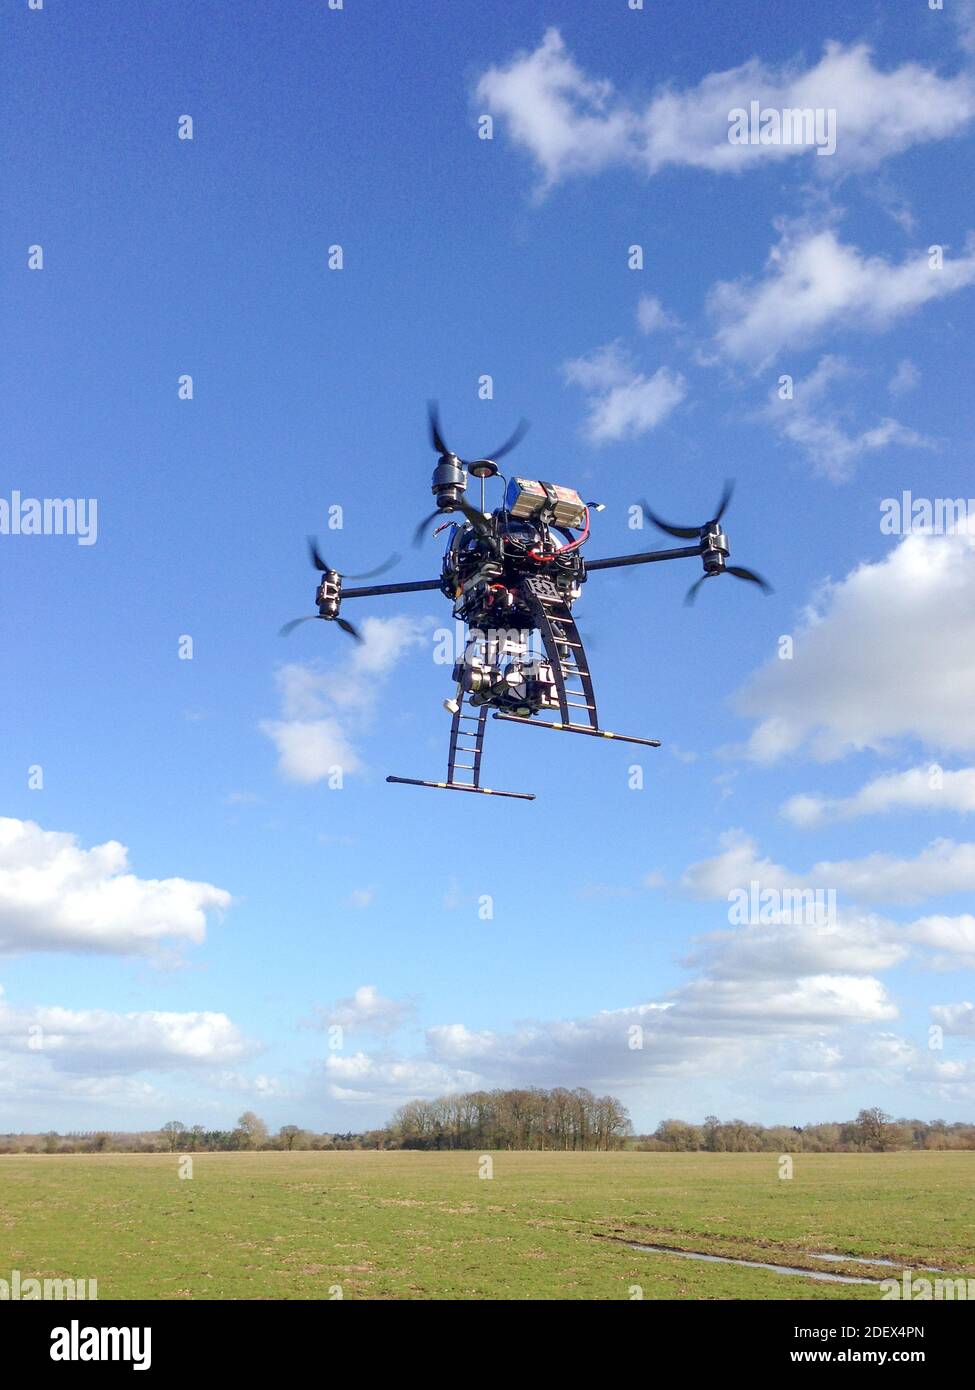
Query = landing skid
x=578 y=729
x=461 y=787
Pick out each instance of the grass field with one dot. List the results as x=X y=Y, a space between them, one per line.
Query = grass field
x=409 y=1225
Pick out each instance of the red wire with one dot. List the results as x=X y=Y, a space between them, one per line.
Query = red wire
x=570 y=545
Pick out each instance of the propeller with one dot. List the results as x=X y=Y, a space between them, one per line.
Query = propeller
x=476 y=518
x=689 y=533
x=420 y=531
x=713 y=563
x=437 y=440
x=320 y=564
x=317 y=618
x=451 y=465
x=738 y=571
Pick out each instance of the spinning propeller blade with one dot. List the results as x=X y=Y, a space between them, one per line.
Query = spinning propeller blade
x=346 y=626
x=437 y=439
x=477 y=519
x=688 y=533
x=320 y=564
x=420 y=531
x=317 y=618
x=738 y=571
x=751 y=576
x=296 y=622
x=520 y=430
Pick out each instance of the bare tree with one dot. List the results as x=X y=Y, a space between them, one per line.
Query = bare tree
x=174 y=1131
x=253 y=1131
x=873 y=1127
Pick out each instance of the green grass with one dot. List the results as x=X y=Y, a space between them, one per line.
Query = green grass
x=410 y=1225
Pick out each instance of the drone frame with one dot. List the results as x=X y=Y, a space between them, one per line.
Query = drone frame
x=566 y=655
x=544 y=606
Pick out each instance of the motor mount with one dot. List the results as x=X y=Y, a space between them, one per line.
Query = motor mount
x=328 y=595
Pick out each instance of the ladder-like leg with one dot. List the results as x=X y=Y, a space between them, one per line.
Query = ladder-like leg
x=565 y=653
x=466 y=741
x=570 y=669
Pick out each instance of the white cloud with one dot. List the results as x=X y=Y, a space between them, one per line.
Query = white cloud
x=761 y=1000
x=921 y=788
x=852 y=945
x=943 y=867
x=958 y=1019
x=951 y=938
x=709 y=1027
x=623 y=403
x=454 y=1042
x=805 y=420
x=97 y=1041
x=767 y=1005
x=309 y=750
x=573 y=124
x=905 y=378
x=886 y=653
x=322 y=711
x=963 y=14
x=259 y=1087
x=369 y=1011
x=391 y=1081
x=56 y=896
x=652 y=317
x=814 y=282
x=736 y=866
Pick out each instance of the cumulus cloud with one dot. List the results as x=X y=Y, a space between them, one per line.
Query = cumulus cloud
x=391 y=1081
x=738 y=864
x=813 y=282
x=952 y=939
x=96 y=1041
x=54 y=895
x=713 y=1026
x=767 y=1005
x=652 y=317
x=807 y=420
x=623 y=402
x=958 y=1019
x=368 y=1011
x=919 y=789
x=771 y=1008
x=324 y=710
x=774 y=999
x=942 y=867
x=852 y=945
x=886 y=653
x=573 y=124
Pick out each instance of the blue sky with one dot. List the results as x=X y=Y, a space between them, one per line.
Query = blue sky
x=194 y=973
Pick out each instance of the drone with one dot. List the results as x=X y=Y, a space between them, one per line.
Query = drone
x=513 y=575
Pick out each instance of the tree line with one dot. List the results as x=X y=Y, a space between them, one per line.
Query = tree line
x=872 y=1131
x=534 y=1119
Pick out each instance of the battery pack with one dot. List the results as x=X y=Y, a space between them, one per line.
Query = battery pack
x=526 y=498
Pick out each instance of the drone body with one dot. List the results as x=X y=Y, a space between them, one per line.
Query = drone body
x=513 y=573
